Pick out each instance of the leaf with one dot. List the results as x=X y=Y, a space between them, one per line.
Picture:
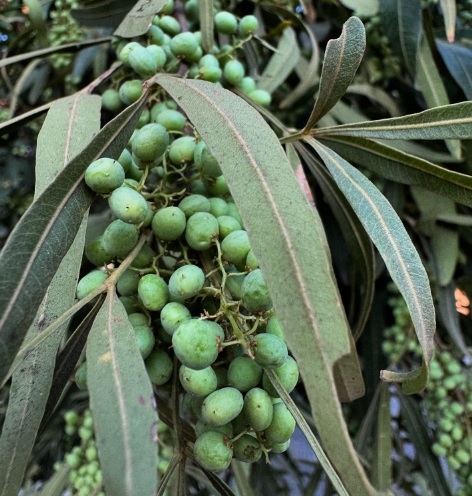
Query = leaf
x=282 y=63
x=45 y=233
x=382 y=456
x=433 y=88
x=418 y=432
x=449 y=12
x=20 y=120
x=449 y=121
x=342 y=58
x=403 y=168
x=287 y=238
x=402 y=23
x=102 y=13
x=377 y=95
x=139 y=18
x=398 y=252
x=57 y=483
x=458 y=60
x=122 y=403
x=362 y=8
x=205 y=9
x=69 y=126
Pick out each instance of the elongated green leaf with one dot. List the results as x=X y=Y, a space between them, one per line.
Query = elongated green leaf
x=103 y=13
x=122 y=403
x=282 y=63
x=401 y=21
x=205 y=9
x=45 y=233
x=458 y=60
x=382 y=459
x=449 y=11
x=287 y=237
x=445 y=246
x=68 y=128
x=391 y=239
x=403 y=168
x=139 y=18
x=450 y=121
x=57 y=483
x=377 y=95
x=342 y=58
x=433 y=88
x=362 y=8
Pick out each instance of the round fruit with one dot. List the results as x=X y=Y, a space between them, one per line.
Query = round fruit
x=145 y=340
x=210 y=73
x=248 y=25
x=90 y=282
x=277 y=447
x=201 y=427
x=125 y=159
x=142 y=61
x=258 y=409
x=244 y=373
x=234 y=283
x=261 y=97
x=193 y=204
x=130 y=91
x=225 y=22
x=198 y=382
x=128 y=283
x=137 y=319
x=96 y=253
x=195 y=344
x=287 y=373
x=184 y=44
x=181 y=150
x=158 y=54
x=172 y=315
x=247 y=85
x=282 y=426
x=111 y=100
x=128 y=205
x=159 y=367
x=234 y=72
x=104 y=175
x=235 y=247
x=251 y=261
x=209 y=164
x=247 y=449
x=171 y=119
x=269 y=350
x=153 y=292
x=126 y=50
x=212 y=451
x=201 y=228
x=170 y=25
x=217 y=329
x=274 y=327
x=227 y=225
x=129 y=303
x=169 y=223
x=218 y=207
x=233 y=212
x=81 y=376
x=216 y=186
x=222 y=406
x=156 y=35
x=144 y=257
x=256 y=297
x=150 y=142
x=186 y=282
x=119 y=238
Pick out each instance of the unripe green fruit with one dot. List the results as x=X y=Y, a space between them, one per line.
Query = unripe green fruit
x=209 y=164
x=244 y=373
x=129 y=303
x=198 y=382
x=197 y=187
x=126 y=50
x=135 y=174
x=274 y=327
x=258 y=409
x=158 y=54
x=256 y=297
x=171 y=119
x=111 y=100
x=186 y=282
x=81 y=376
x=153 y=292
x=119 y=238
x=209 y=60
x=193 y=204
x=222 y=406
x=130 y=91
x=170 y=25
x=277 y=447
x=192 y=12
x=183 y=44
x=269 y=350
x=143 y=119
x=251 y=261
x=225 y=22
x=128 y=283
x=201 y=427
x=234 y=284
x=195 y=344
x=125 y=159
x=234 y=72
x=181 y=150
x=142 y=61
x=104 y=175
x=247 y=449
x=282 y=426
x=172 y=315
x=73 y=460
x=248 y=25
x=159 y=367
x=216 y=186
x=137 y=319
x=96 y=253
x=247 y=85
x=145 y=340
x=156 y=35
x=144 y=257
x=227 y=225
x=287 y=373
x=218 y=207
x=235 y=247
x=234 y=212
x=217 y=329
x=150 y=142
x=128 y=205
x=261 y=97
x=90 y=282
x=210 y=73
x=222 y=377
x=212 y=451
x=201 y=228
x=169 y=223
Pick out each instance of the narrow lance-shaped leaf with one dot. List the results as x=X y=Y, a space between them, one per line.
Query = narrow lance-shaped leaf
x=382 y=459
x=45 y=233
x=458 y=60
x=288 y=239
x=449 y=11
x=205 y=9
x=446 y=122
x=70 y=125
x=139 y=18
x=397 y=250
x=342 y=58
x=122 y=403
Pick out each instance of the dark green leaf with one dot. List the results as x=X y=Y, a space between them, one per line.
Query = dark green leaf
x=382 y=457
x=391 y=239
x=205 y=8
x=57 y=483
x=102 y=13
x=19 y=121
x=449 y=11
x=362 y=8
x=139 y=18
x=342 y=58
x=458 y=60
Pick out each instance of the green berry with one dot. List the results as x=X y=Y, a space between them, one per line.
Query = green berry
x=244 y=373
x=186 y=282
x=222 y=406
x=111 y=100
x=153 y=292
x=126 y=50
x=248 y=25
x=269 y=350
x=227 y=225
x=234 y=72
x=210 y=73
x=206 y=161
x=90 y=282
x=158 y=54
x=170 y=25
x=247 y=85
x=234 y=283
x=130 y=91
x=235 y=247
x=184 y=44
x=104 y=175
x=73 y=460
x=171 y=119
x=150 y=142
x=125 y=159
x=130 y=304
x=198 y=382
x=201 y=427
x=201 y=228
x=274 y=327
x=212 y=451
x=258 y=409
x=181 y=150
x=233 y=212
x=277 y=447
x=137 y=319
x=96 y=253
x=144 y=339
x=172 y=315
x=156 y=35
x=144 y=257
x=169 y=223
x=128 y=283
x=81 y=376
x=287 y=373
x=282 y=426
x=256 y=297
x=142 y=61
x=261 y=97
x=216 y=186
x=225 y=22
x=218 y=207
x=251 y=261
x=247 y=449
x=119 y=238
x=128 y=205
x=193 y=204
x=159 y=367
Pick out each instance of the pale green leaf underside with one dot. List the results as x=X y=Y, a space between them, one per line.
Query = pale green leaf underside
x=205 y=8
x=139 y=18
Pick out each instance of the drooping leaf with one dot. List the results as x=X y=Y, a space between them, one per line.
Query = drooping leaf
x=139 y=18
x=446 y=122
x=205 y=9
x=70 y=125
x=362 y=8
x=45 y=233
x=403 y=168
x=398 y=252
x=402 y=23
x=122 y=403
x=282 y=63
x=382 y=457
x=287 y=237
x=342 y=58
x=449 y=11
x=458 y=60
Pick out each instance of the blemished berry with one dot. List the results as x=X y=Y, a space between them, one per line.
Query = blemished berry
x=213 y=451
x=111 y=100
x=169 y=223
x=193 y=204
x=90 y=282
x=119 y=238
x=234 y=284
x=104 y=175
x=216 y=186
x=145 y=340
x=287 y=373
x=201 y=228
x=195 y=344
x=128 y=205
x=282 y=426
x=156 y=35
x=184 y=44
x=248 y=25
x=186 y=282
x=258 y=409
x=225 y=22
x=150 y=142
x=181 y=150
x=126 y=50
x=244 y=373
x=81 y=376
x=209 y=164
x=269 y=350
x=142 y=61
x=198 y=382
x=256 y=297
x=234 y=72
x=171 y=119
x=172 y=315
x=261 y=97
x=130 y=91
x=235 y=247
x=153 y=292
x=222 y=406
x=247 y=449
x=159 y=367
